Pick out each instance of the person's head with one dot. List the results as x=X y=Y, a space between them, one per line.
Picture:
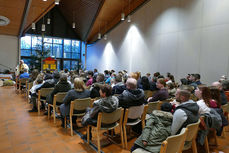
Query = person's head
x=106 y=72
x=138 y=75
x=182 y=94
x=145 y=83
x=203 y=92
x=56 y=75
x=63 y=77
x=160 y=83
x=133 y=75
x=95 y=70
x=131 y=84
x=100 y=77
x=21 y=62
x=90 y=74
x=217 y=85
x=48 y=70
x=105 y=91
x=34 y=74
x=66 y=70
x=197 y=76
x=170 y=86
x=167 y=107
x=171 y=77
x=148 y=74
x=192 y=77
x=25 y=70
x=215 y=94
x=79 y=84
x=118 y=78
x=156 y=74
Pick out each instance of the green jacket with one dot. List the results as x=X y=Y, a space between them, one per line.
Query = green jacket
x=157 y=129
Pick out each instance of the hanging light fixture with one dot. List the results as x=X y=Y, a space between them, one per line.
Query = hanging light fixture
x=73 y=25
x=44 y=0
x=43 y=26
x=73 y=19
x=105 y=37
x=48 y=21
x=57 y=2
x=33 y=26
x=129 y=18
x=122 y=16
x=99 y=35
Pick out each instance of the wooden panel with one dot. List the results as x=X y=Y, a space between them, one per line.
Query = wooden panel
x=110 y=15
x=12 y=9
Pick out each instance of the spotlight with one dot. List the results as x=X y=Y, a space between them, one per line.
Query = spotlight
x=122 y=16
x=57 y=2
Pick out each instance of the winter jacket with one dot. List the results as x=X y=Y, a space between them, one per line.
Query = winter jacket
x=95 y=89
x=157 y=129
x=118 y=88
x=131 y=98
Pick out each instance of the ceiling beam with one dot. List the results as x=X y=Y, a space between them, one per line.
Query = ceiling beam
x=94 y=19
x=39 y=17
x=24 y=17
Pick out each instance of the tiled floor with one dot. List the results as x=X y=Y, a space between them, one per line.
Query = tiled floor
x=23 y=132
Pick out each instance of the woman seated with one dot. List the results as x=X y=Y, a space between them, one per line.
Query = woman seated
x=78 y=93
x=203 y=93
x=157 y=129
x=162 y=93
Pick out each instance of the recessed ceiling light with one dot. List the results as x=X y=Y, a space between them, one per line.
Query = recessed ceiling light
x=4 y=21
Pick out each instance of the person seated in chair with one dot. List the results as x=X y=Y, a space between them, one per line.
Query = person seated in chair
x=131 y=96
x=157 y=129
x=107 y=104
x=96 y=86
x=78 y=93
x=62 y=86
x=119 y=86
x=25 y=74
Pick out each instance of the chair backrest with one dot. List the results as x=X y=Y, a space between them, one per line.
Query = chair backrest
x=148 y=93
x=225 y=108
x=135 y=112
x=192 y=130
x=109 y=118
x=23 y=80
x=45 y=91
x=30 y=85
x=81 y=104
x=60 y=96
x=175 y=143
x=153 y=106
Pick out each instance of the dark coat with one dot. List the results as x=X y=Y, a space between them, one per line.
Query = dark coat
x=118 y=88
x=131 y=98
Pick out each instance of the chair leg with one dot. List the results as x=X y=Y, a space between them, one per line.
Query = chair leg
x=65 y=122
x=125 y=137
x=121 y=133
x=38 y=106
x=54 y=114
x=48 y=111
x=206 y=145
x=98 y=140
x=71 y=125
x=215 y=137
x=88 y=133
x=194 y=148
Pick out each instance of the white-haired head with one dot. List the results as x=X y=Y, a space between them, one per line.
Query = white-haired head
x=131 y=83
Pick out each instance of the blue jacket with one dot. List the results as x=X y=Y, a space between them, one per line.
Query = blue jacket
x=24 y=75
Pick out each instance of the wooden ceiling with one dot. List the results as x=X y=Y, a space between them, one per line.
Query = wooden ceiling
x=90 y=16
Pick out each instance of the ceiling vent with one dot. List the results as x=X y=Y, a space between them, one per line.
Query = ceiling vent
x=4 y=21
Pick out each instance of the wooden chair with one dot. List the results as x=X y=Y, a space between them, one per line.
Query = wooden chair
x=113 y=119
x=136 y=113
x=78 y=105
x=148 y=93
x=42 y=94
x=173 y=144
x=22 y=84
x=28 y=87
x=166 y=101
x=225 y=111
x=190 y=141
x=152 y=106
x=59 y=97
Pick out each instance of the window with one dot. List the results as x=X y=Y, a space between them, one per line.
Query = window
x=66 y=51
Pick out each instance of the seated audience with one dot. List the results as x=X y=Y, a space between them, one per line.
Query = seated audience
x=131 y=96
x=186 y=113
x=162 y=93
x=48 y=74
x=119 y=86
x=203 y=93
x=96 y=86
x=144 y=83
x=33 y=75
x=78 y=93
x=195 y=78
x=25 y=74
x=62 y=86
x=222 y=93
x=157 y=129
x=215 y=101
x=90 y=81
x=171 y=89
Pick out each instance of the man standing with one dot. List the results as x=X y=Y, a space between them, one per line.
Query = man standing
x=186 y=113
x=21 y=67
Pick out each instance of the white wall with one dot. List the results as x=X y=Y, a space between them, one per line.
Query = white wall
x=8 y=51
x=177 y=36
